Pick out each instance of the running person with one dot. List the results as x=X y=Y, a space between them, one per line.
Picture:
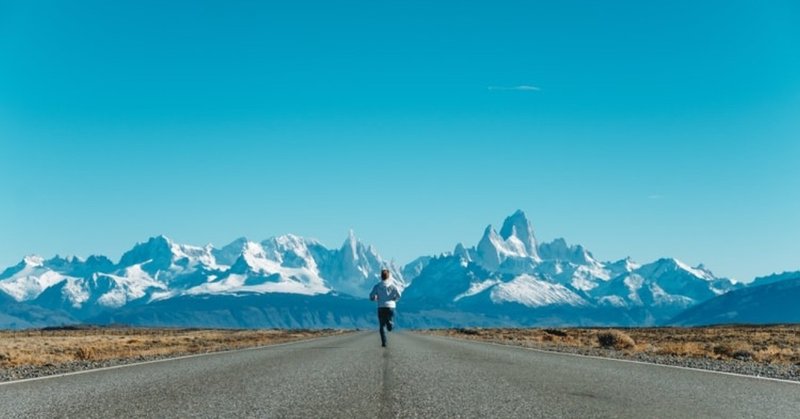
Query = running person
x=386 y=294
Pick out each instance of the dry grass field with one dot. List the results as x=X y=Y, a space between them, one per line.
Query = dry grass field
x=53 y=347
x=763 y=344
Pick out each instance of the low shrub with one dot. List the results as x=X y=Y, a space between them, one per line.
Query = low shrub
x=615 y=339
x=85 y=353
x=556 y=332
x=738 y=351
x=723 y=349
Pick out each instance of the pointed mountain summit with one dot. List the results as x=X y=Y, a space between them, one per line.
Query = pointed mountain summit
x=622 y=266
x=517 y=225
x=156 y=249
x=491 y=249
x=228 y=254
x=350 y=247
x=462 y=252
x=160 y=253
x=355 y=267
x=513 y=250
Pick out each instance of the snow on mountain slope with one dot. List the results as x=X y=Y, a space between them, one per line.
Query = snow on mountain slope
x=160 y=254
x=578 y=277
x=355 y=268
x=477 y=287
x=159 y=269
x=444 y=280
x=502 y=267
x=292 y=251
x=292 y=264
x=514 y=251
x=621 y=267
x=131 y=284
x=76 y=279
x=415 y=267
x=280 y=264
x=450 y=279
x=677 y=277
x=532 y=292
x=666 y=283
x=28 y=279
x=496 y=253
x=228 y=254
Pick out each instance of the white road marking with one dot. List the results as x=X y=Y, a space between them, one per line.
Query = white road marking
x=155 y=361
x=631 y=361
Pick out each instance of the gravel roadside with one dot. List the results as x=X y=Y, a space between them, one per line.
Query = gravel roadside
x=33 y=371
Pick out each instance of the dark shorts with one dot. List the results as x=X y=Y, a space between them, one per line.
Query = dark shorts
x=385 y=315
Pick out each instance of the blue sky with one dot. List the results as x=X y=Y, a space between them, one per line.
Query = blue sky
x=645 y=130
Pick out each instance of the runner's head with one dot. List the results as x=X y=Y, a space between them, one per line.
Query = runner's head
x=385 y=274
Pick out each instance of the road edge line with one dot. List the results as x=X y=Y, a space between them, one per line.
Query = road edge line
x=632 y=361
x=155 y=361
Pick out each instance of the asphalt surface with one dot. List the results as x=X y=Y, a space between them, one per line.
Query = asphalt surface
x=416 y=376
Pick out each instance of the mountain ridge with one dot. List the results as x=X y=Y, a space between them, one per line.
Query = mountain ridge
x=508 y=271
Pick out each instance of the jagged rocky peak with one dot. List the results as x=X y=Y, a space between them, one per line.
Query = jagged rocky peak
x=350 y=247
x=514 y=249
x=363 y=258
x=161 y=253
x=229 y=253
x=461 y=252
x=490 y=249
x=290 y=251
x=622 y=266
x=517 y=225
x=560 y=250
x=157 y=249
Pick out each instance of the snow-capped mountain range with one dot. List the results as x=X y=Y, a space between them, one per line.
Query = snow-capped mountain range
x=506 y=278
x=509 y=268
x=160 y=269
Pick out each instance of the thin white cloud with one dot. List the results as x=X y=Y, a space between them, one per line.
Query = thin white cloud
x=520 y=88
x=655 y=196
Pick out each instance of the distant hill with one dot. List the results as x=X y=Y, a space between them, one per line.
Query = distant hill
x=15 y=315
x=774 y=302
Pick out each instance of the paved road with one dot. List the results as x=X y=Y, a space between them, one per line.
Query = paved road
x=416 y=376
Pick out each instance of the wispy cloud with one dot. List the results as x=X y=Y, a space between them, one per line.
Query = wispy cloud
x=655 y=196
x=520 y=88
